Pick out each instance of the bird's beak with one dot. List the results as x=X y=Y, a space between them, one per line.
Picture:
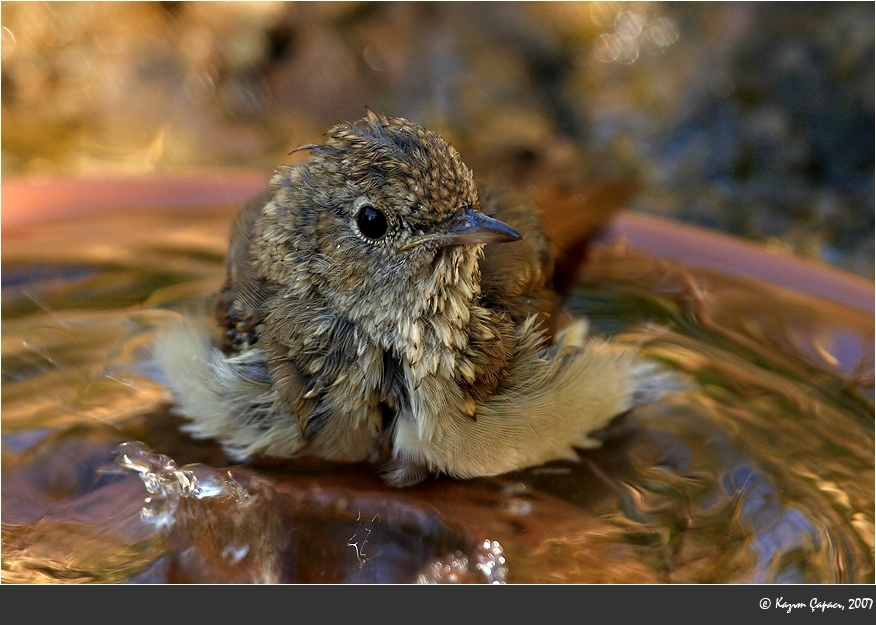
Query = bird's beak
x=471 y=227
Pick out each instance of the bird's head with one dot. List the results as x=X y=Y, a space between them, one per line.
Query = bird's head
x=383 y=220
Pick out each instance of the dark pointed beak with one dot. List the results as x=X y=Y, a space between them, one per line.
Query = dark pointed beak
x=469 y=228
x=475 y=227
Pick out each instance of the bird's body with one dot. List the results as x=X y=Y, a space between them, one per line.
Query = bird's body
x=379 y=307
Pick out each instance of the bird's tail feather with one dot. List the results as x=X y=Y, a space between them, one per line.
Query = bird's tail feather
x=227 y=398
x=549 y=404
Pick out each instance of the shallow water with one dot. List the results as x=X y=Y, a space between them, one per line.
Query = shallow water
x=763 y=473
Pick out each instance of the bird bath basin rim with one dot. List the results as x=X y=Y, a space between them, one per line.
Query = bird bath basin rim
x=30 y=200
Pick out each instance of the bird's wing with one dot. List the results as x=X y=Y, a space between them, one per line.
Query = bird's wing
x=516 y=276
x=240 y=306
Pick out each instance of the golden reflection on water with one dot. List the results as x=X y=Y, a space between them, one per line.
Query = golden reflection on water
x=763 y=474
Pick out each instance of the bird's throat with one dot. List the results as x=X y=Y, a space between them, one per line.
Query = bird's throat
x=435 y=333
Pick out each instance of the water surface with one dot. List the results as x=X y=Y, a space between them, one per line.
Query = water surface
x=762 y=473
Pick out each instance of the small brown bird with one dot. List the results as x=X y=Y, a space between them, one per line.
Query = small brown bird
x=378 y=306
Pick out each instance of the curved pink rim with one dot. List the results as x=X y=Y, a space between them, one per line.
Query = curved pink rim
x=26 y=200
x=706 y=249
x=31 y=200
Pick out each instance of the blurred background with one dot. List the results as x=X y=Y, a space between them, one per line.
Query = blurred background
x=756 y=119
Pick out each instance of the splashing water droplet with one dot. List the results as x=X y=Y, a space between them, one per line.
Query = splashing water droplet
x=166 y=484
x=158 y=512
x=450 y=570
x=490 y=562
x=210 y=484
x=133 y=456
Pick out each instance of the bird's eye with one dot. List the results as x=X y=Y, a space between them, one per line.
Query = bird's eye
x=371 y=222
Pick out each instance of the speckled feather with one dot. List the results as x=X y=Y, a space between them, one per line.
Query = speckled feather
x=423 y=348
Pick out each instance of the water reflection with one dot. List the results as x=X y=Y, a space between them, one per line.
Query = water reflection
x=763 y=474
